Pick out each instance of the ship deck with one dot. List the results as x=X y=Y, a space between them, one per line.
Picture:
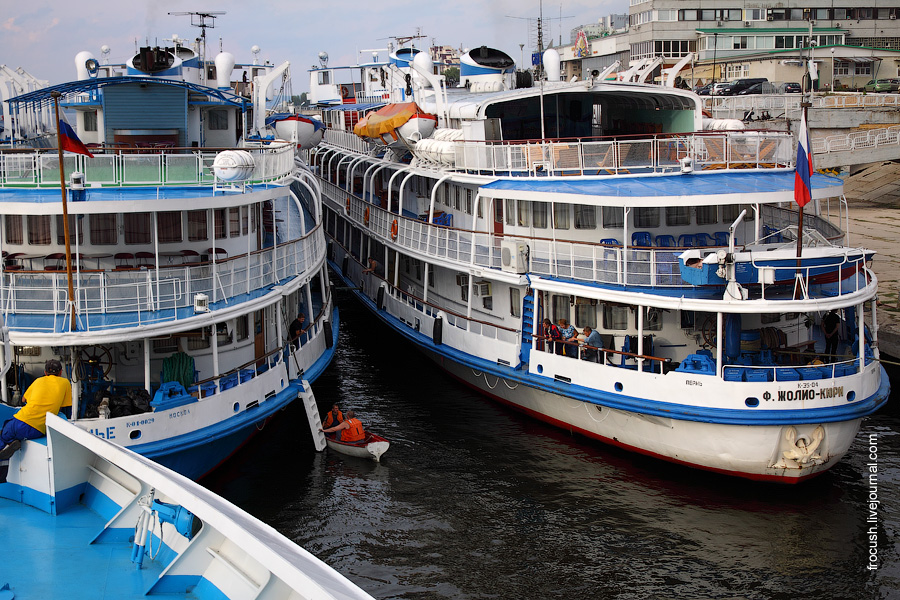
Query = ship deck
x=53 y=557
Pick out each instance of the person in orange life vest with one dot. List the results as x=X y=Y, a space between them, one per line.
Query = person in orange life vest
x=50 y=393
x=333 y=417
x=353 y=426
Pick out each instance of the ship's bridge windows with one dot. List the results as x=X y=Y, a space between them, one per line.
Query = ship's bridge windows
x=137 y=228
x=103 y=229
x=324 y=77
x=707 y=215
x=646 y=217
x=613 y=217
x=560 y=216
x=585 y=216
x=234 y=221
x=197 y=226
x=75 y=225
x=615 y=317
x=39 y=230
x=678 y=215
x=168 y=227
x=13 y=231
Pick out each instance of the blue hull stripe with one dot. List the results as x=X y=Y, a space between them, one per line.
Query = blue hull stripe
x=724 y=416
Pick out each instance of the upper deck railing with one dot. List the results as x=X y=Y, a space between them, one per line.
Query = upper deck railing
x=608 y=263
x=789 y=104
x=111 y=299
x=139 y=166
x=660 y=153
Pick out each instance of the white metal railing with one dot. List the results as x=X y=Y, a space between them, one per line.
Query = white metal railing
x=736 y=106
x=348 y=140
x=660 y=153
x=857 y=140
x=145 y=296
x=606 y=263
x=272 y=162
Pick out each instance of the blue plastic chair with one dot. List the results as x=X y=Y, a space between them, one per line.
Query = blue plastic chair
x=687 y=240
x=641 y=239
x=665 y=241
x=610 y=242
x=703 y=239
x=721 y=238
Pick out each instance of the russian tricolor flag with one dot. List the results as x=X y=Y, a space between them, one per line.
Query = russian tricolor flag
x=68 y=141
x=802 y=185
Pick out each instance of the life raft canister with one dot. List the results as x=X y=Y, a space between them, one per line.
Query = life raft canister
x=366 y=217
x=394 y=229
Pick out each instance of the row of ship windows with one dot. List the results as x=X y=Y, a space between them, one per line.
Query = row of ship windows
x=762 y=14
x=527 y=213
x=135 y=228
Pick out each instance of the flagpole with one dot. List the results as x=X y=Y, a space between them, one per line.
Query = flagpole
x=62 y=186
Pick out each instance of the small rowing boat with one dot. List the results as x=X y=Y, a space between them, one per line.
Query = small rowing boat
x=371 y=446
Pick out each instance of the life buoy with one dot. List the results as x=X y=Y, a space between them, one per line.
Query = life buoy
x=394 y=229
x=366 y=217
x=345 y=93
x=348 y=205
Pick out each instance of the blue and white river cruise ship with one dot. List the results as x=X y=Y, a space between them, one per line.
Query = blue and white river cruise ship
x=195 y=254
x=467 y=216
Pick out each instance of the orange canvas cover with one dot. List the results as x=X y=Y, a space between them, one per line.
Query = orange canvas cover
x=385 y=120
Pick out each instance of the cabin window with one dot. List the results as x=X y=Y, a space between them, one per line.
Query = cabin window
x=561 y=216
x=652 y=319
x=678 y=215
x=560 y=308
x=730 y=212
x=431 y=277
x=13 y=229
x=74 y=224
x=234 y=221
x=220 y=223
x=539 y=215
x=585 y=217
x=515 y=302
x=585 y=313
x=245 y=220
x=646 y=217
x=165 y=345
x=523 y=220
x=103 y=230
x=217 y=119
x=464 y=293
x=198 y=339
x=137 y=228
x=197 y=226
x=324 y=77
x=90 y=120
x=478 y=208
x=510 y=211
x=168 y=227
x=613 y=217
x=615 y=317
x=456 y=198
x=39 y=230
x=468 y=201
x=707 y=215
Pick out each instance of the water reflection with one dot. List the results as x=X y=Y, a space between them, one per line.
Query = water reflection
x=475 y=501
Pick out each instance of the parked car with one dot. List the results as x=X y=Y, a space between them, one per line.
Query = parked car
x=703 y=90
x=739 y=85
x=879 y=85
x=792 y=88
x=895 y=84
x=756 y=88
x=720 y=89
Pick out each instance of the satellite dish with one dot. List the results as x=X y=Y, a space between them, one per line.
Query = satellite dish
x=92 y=66
x=323 y=59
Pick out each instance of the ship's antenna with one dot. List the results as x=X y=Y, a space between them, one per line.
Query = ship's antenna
x=203 y=20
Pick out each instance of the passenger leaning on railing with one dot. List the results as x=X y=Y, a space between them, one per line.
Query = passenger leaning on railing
x=593 y=344
x=567 y=332
x=551 y=333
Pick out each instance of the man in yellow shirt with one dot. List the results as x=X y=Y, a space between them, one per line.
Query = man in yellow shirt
x=47 y=394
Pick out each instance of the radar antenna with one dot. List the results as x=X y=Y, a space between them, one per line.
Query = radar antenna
x=204 y=20
x=402 y=40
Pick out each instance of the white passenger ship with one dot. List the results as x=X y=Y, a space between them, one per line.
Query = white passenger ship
x=189 y=257
x=586 y=201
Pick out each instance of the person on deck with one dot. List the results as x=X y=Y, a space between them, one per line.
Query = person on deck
x=295 y=330
x=592 y=338
x=333 y=417
x=831 y=324
x=551 y=333
x=350 y=430
x=568 y=335
x=50 y=393
x=373 y=267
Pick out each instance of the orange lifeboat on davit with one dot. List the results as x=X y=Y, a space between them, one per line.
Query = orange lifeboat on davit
x=395 y=123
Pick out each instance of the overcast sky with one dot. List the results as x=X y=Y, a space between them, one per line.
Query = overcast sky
x=43 y=36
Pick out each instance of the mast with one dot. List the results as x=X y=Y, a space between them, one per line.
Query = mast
x=62 y=187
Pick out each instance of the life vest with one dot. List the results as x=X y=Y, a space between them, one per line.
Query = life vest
x=329 y=420
x=554 y=333
x=354 y=433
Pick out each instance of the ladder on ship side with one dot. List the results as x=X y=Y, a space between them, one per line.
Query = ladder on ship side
x=527 y=324
x=312 y=415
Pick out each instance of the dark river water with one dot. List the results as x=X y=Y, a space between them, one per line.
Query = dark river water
x=474 y=501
